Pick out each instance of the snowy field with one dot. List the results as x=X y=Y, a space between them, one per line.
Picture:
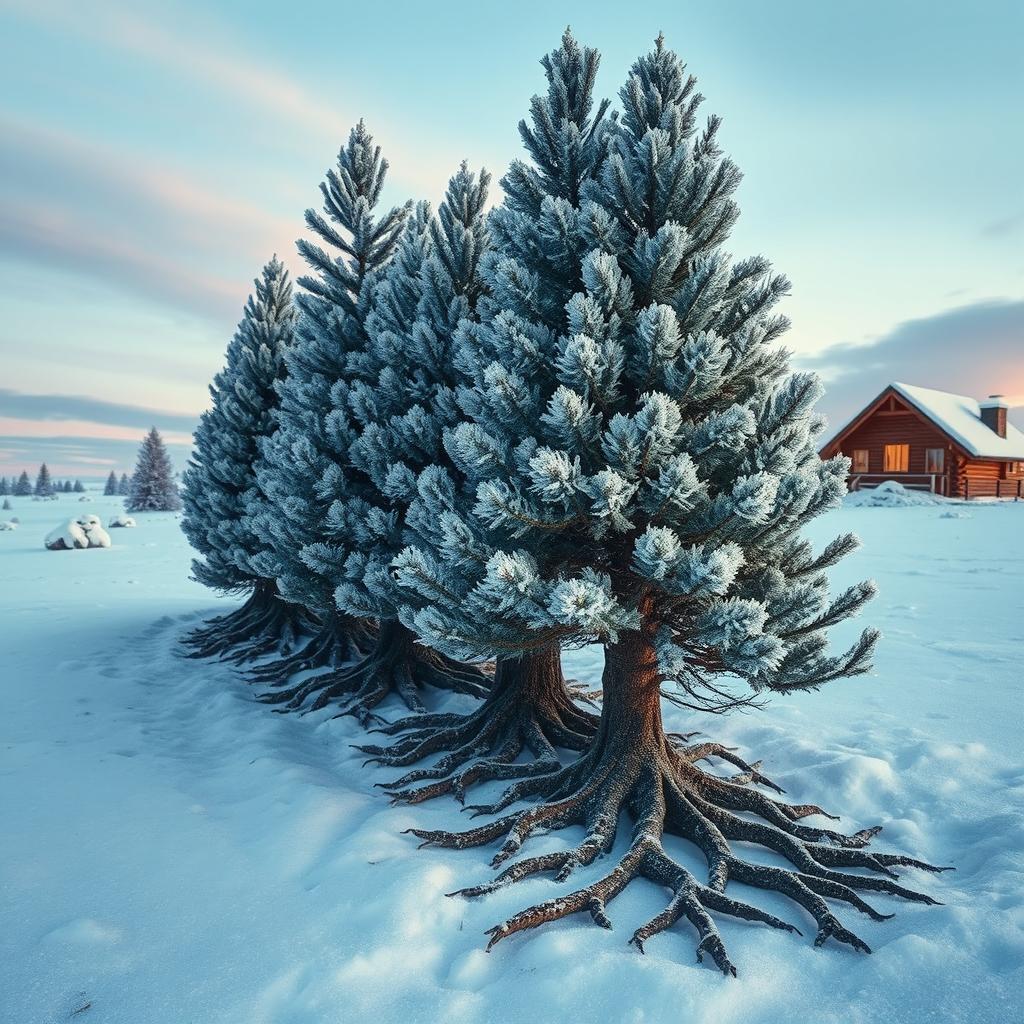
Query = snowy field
x=172 y=852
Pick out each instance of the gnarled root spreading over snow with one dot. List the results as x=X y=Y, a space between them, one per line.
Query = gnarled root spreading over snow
x=397 y=664
x=336 y=641
x=529 y=708
x=263 y=624
x=633 y=766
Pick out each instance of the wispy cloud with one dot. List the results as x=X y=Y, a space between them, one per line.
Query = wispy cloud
x=64 y=408
x=71 y=456
x=189 y=52
x=12 y=427
x=1002 y=226
x=61 y=238
x=975 y=350
x=94 y=209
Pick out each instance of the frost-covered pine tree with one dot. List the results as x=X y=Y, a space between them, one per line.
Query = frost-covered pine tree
x=304 y=465
x=110 y=488
x=401 y=400
x=124 y=486
x=220 y=488
x=78 y=488
x=44 y=485
x=537 y=252
x=5 y=487
x=24 y=485
x=649 y=462
x=153 y=488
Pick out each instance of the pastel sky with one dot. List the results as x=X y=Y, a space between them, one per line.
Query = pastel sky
x=154 y=155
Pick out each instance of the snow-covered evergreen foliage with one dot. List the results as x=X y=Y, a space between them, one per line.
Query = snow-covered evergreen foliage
x=110 y=488
x=637 y=443
x=153 y=488
x=5 y=487
x=79 y=487
x=536 y=255
x=304 y=467
x=24 y=486
x=44 y=485
x=220 y=482
x=404 y=399
x=124 y=486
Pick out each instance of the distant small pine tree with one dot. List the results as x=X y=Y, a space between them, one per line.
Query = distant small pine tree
x=7 y=504
x=79 y=487
x=44 y=485
x=152 y=486
x=24 y=486
x=124 y=486
x=5 y=487
x=66 y=487
x=111 y=485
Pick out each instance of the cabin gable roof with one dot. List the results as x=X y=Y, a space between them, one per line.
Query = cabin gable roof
x=956 y=417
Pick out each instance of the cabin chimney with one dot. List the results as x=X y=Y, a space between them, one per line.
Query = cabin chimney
x=993 y=414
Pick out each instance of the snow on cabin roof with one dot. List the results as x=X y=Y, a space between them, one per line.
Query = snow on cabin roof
x=960 y=418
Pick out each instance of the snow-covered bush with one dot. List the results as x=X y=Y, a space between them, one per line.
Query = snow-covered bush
x=121 y=521
x=7 y=525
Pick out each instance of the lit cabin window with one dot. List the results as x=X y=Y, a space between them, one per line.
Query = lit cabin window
x=934 y=460
x=897 y=458
x=860 y=460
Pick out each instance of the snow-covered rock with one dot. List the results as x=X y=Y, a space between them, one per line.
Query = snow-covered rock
x=84 y=532
x=66 y=537
x=121 y=521
x=85 y=497
x=98 y=537
x=7 y=524
x=94 y=532
x=892 y=495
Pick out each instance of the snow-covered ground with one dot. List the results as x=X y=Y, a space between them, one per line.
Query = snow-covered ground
x=172 y=852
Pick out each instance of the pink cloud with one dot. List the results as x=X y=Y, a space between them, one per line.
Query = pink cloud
x=13 y=427
x=256 y=84
x=58 y=235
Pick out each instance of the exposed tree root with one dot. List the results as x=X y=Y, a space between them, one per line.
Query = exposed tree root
x=529 y=708
x=632 y=765
x=264 y=623
x=336 y=641
x=397 y=664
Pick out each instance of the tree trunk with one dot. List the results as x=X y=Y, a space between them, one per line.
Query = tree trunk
x=529 y=708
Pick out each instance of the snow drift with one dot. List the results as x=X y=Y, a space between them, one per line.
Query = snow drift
x=892 y=495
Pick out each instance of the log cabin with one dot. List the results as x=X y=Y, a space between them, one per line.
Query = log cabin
x=932 y=440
